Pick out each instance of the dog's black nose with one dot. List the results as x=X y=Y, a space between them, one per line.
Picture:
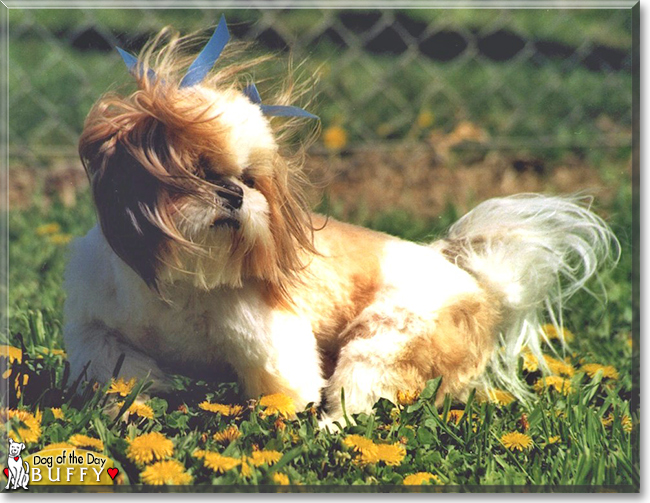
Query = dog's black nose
x=230 y=192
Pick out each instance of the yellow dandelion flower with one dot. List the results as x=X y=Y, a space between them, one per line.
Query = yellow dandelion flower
x=223 y=409
x=391 y=454
x=335 y=137
x=425 y=119
x=216 y=461
x=145 y=448
x=139 y=409
x=19 y=383
x=607 y=421
x=530 y=363
x=57 y=412
x=228 y=435
x=368 y=457
x=60 y=239
x=516 y=441
x=626 y=422
x=45 y=229
x=558 y=367
x=609 y=371
x=455 y=415
x=420 y=479
x=553 y=334
x=278 y=403
x=560 y=384
x=554 y=439
x=166 y=472
x=14 y=354
x=259 y=458
x=407 y=397
x=359 y=443
x=27 y=430
x=79 y=440
x=281 y=479
x=246 y=469
x=370 y=453
x=497 y=396
x=121 y=387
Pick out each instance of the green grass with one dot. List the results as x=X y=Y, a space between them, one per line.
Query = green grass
x=587 y=456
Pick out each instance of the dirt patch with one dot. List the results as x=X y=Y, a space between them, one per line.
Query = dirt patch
x=419 y=182
x=412 y=179
x=63 y=181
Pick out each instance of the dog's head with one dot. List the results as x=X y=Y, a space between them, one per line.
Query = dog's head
x=190 y=183
x=15 y=448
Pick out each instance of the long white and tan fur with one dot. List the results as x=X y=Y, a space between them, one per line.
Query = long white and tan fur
x=180 y=279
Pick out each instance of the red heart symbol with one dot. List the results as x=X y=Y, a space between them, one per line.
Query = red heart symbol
x=112 y=472
x=17 y=458
x=6 y=472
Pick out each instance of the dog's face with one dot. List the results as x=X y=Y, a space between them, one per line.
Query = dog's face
x=189 y=185
x=15 y=448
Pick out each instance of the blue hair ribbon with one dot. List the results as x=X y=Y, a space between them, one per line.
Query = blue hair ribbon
x=253 y=94
x=275 y=110
x=204 y=62
x=208 y=56
x=132 y=62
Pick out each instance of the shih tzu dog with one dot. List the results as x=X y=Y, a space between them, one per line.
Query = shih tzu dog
x=207 y=258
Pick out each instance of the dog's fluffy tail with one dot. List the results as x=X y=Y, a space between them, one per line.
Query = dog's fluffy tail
x=534 y=252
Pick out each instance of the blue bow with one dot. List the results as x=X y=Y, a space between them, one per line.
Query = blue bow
x=208 y=56
x=204 y=62
x=275 y=110
x=132 y=62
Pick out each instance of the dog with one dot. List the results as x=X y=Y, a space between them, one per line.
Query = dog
x=18 y=472
x=207 y=260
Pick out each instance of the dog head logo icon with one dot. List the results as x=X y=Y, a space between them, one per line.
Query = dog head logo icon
x=17 y=470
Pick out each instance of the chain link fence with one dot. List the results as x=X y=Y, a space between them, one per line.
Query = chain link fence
x=499 y=79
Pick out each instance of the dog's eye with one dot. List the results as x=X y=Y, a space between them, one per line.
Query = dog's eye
x=248 y=181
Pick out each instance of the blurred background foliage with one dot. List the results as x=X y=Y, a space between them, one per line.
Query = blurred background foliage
x=524 y=79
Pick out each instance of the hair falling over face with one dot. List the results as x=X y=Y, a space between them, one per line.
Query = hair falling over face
x=154 y=156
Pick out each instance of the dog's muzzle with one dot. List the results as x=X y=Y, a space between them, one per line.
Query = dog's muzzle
x=231 y=197
x=231 y=194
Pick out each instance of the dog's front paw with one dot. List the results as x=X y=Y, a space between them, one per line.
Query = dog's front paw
x=333 y=422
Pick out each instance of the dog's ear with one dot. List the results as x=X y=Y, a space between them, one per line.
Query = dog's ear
x=126 y=198
x=11 y=441
x=22 y=446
